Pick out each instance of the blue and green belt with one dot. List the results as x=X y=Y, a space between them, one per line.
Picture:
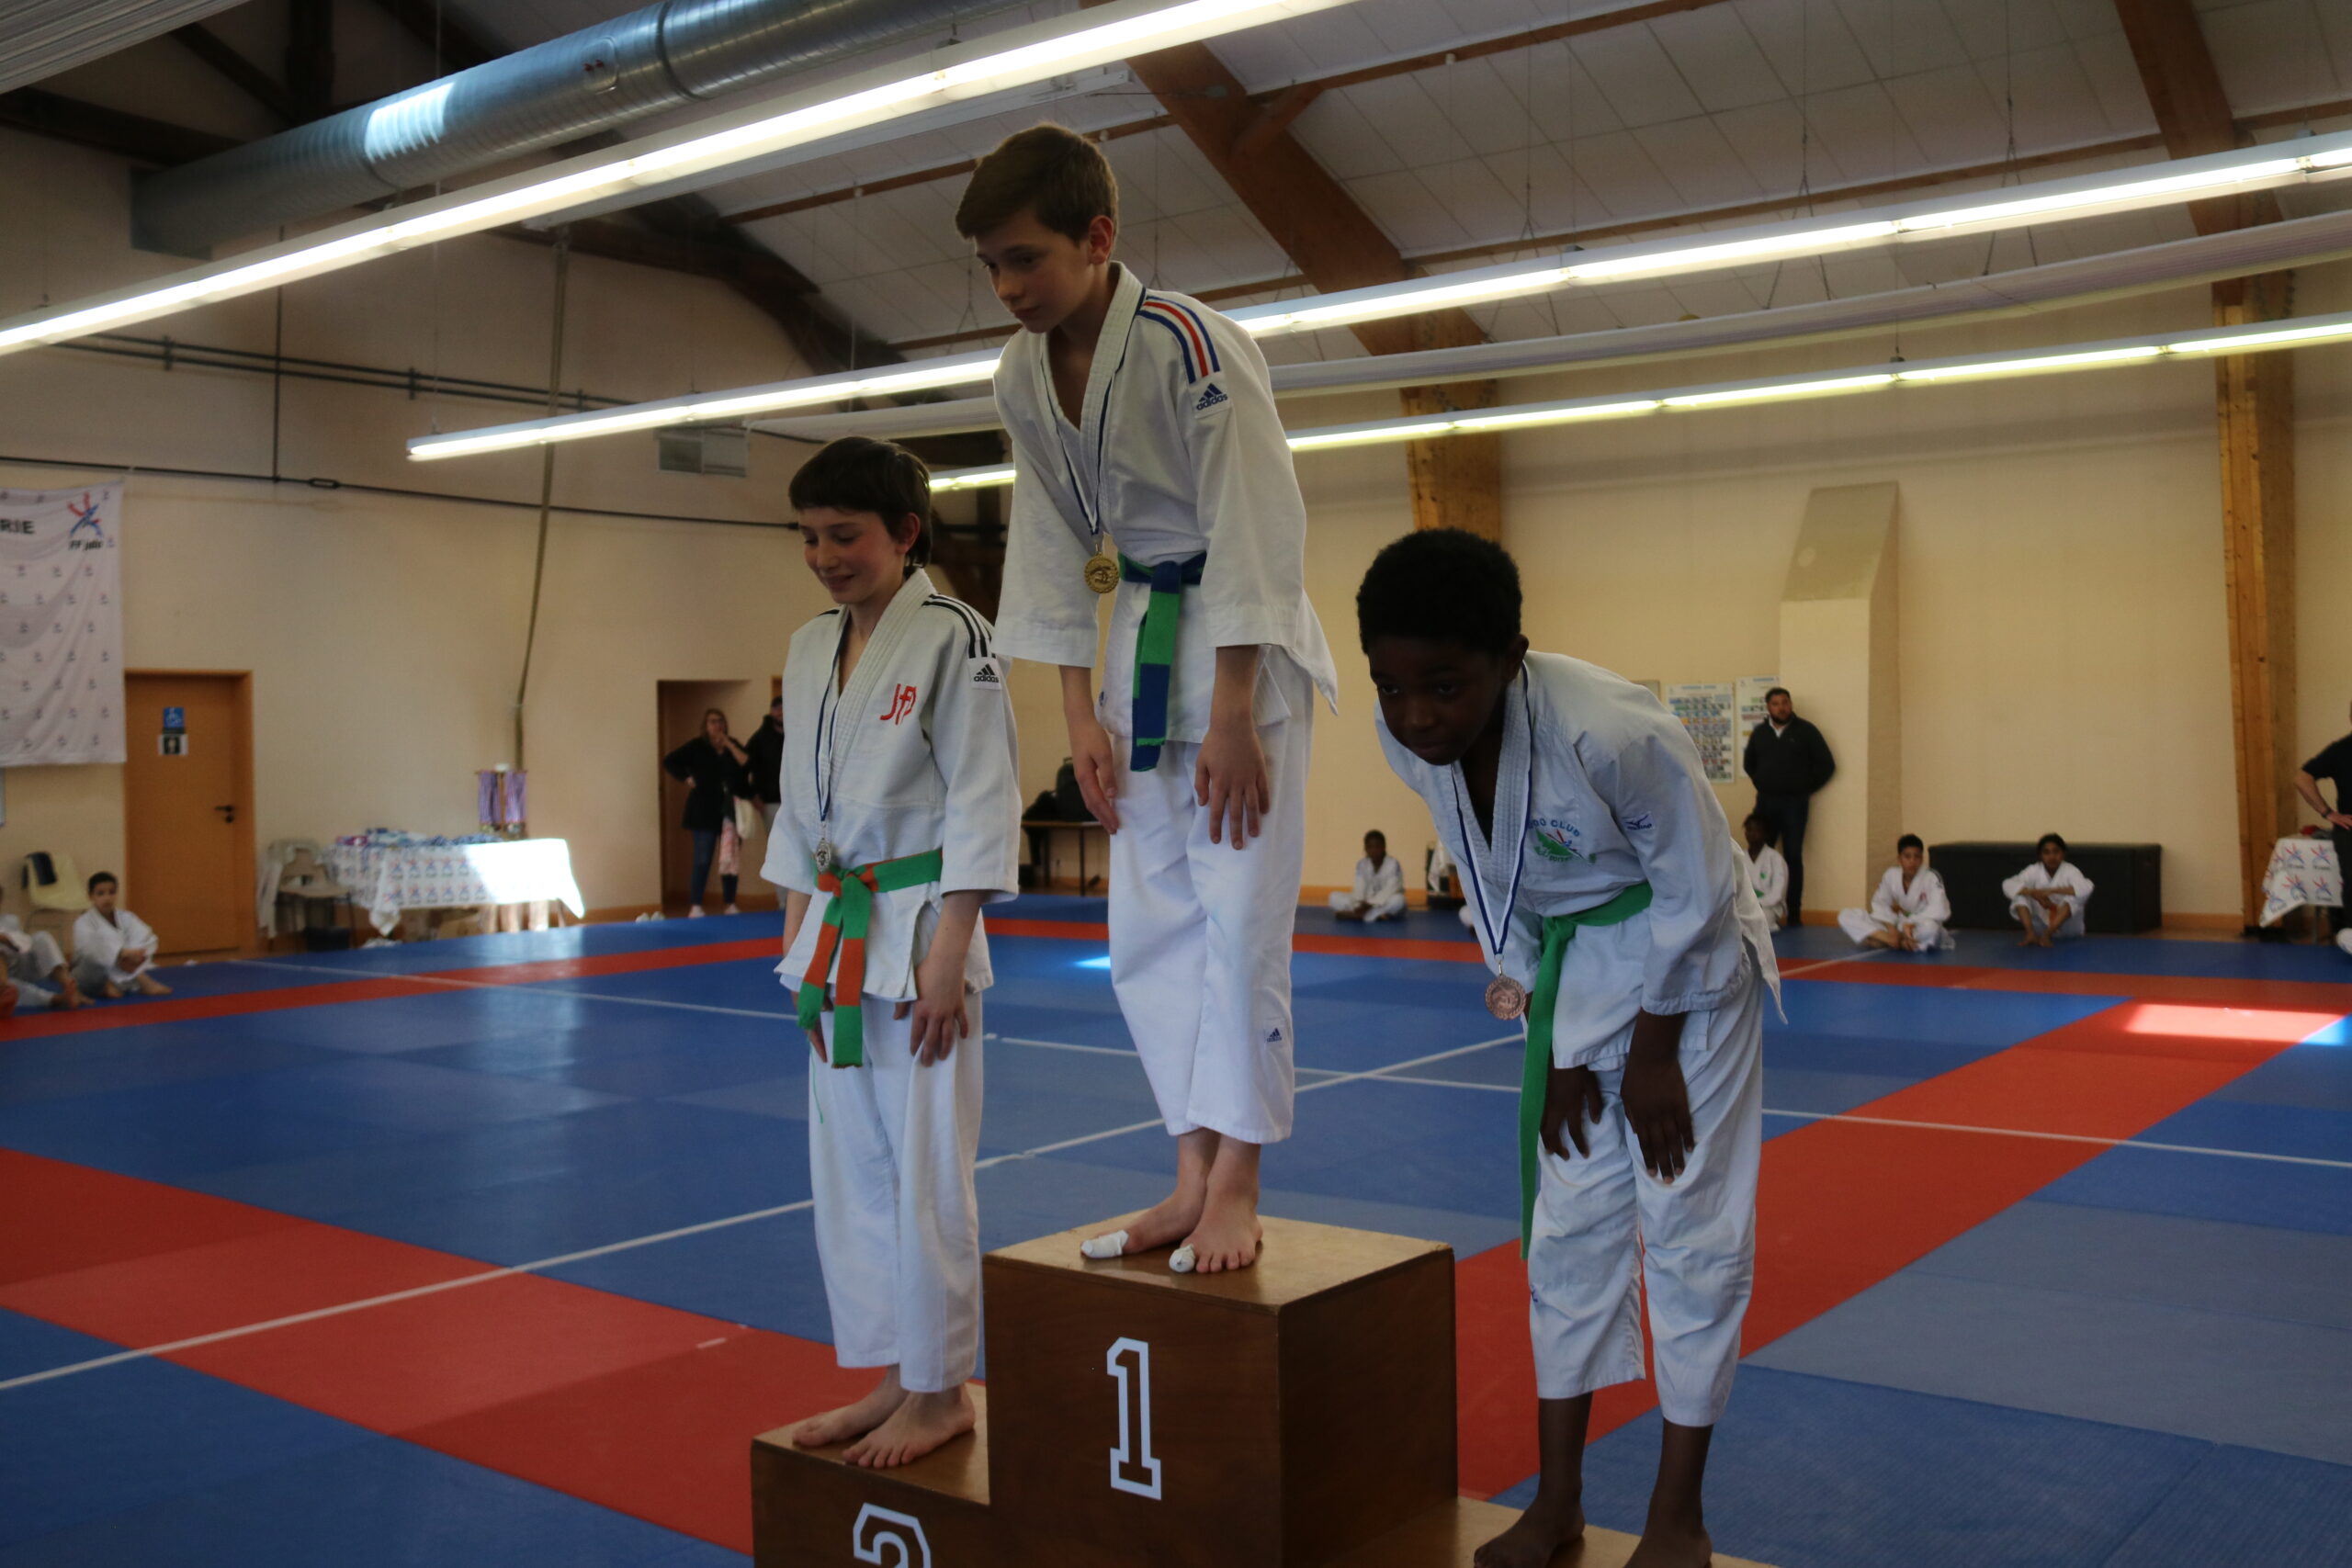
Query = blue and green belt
x=1535 y=1073
x=1156 y=650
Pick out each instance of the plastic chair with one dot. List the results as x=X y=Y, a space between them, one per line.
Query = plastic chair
x=58 y=902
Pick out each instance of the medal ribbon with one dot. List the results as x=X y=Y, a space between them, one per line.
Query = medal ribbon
x=1155 y=651
x=847 y=918
x=1535 y=1074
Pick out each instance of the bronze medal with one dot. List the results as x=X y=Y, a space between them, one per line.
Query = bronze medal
x=1101 y=572
x=1505 y=998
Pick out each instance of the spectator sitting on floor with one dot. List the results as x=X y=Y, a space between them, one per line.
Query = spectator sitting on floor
x=1379 y=892
x=1768 y=874
x=37 y=967
x=113 y=947
x=1910 y=909
x=2048 y=896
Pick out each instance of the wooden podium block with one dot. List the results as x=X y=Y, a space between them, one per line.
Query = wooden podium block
x=1296 y=1415
x=809 y=1508
x=1272 y=1418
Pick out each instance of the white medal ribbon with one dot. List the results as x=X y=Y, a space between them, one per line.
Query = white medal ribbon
x=1495 y=934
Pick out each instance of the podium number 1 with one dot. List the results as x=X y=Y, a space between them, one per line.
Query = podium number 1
x=1131 y=1467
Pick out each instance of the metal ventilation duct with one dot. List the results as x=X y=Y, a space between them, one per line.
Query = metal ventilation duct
x=658 y=58
x=40 y=37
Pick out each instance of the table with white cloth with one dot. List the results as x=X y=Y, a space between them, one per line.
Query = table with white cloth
x=2303 y=874
x=391 y=879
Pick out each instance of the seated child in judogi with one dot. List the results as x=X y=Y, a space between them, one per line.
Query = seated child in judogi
x=2048 y=896
x=1910 y=909
x=37 y=967
x=112 y=947
x=1768 y=871
x=1379 y=892
x=901 y=819
x=1618 y=918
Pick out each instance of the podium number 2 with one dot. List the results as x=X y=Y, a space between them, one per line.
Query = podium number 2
x=1131 y=1467
x=879 y=1531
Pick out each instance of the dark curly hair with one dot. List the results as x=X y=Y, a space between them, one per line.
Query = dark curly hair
x=1443 y=585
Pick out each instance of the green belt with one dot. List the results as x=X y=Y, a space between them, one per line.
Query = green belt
x=1155 y=651
x=844 y=936
x=1535 y=1076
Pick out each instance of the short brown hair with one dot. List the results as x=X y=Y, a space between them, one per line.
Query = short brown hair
x=1050 y=170
x=859 y=474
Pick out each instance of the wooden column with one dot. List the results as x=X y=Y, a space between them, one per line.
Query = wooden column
x=2255 y=396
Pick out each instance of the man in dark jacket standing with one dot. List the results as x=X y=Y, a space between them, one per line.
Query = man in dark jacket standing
x=765 y=748
x=1787 y=760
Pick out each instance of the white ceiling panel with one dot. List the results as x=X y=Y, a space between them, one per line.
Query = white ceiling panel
x=2256 y=72
x=1861 y=129
x=1899 y=37
x=1699 y=164
x=1951 y=116
x=1636 y=75
x=1718 y=57
x=1807 y=42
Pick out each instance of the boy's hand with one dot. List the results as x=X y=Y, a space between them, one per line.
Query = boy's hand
x=131 y=957
x=938 y=1008
x=1231 y=780
x=1571 y=1098
x=1656 y=1099
x=1096 y=762
x=817 y=1043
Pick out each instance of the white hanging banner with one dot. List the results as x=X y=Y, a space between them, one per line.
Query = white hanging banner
x=60 y=625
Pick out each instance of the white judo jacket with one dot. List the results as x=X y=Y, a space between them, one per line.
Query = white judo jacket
x=1180 y=452
x=1925 y=899
x=97 y=940
x=915 y=754
x=1618 y=797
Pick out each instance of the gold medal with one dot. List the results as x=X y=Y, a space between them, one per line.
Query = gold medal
x=1505 y=998
x=1101 y=572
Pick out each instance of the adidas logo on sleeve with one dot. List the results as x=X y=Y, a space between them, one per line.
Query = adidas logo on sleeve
x=1210 y=398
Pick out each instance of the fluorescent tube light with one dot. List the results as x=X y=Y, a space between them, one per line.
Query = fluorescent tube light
x=2279 y=162
x=1510 y=418
x=970 y=479
x=1367 y=435
x=2265 y=337
x=1774 y=391
x=2030 y=364
x=1013 y=59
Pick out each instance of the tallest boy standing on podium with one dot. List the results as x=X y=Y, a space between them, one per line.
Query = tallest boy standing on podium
x=1152 y=465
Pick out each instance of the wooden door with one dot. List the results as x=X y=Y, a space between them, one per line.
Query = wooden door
x=187 y=810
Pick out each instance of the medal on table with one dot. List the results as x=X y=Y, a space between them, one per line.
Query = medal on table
x=1506 y=997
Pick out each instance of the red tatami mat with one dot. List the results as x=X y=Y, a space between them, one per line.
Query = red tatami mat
x=1845 y=1204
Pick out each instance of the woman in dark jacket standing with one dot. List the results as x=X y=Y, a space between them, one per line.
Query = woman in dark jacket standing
x=719 y=771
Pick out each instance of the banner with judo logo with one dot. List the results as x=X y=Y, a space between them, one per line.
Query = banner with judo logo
x=60 y=625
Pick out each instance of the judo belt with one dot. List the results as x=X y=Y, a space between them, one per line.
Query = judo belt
x=846 y=919
x=1156 y=650
x=1535 y=1077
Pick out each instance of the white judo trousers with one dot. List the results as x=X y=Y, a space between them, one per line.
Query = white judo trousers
x=891 y=1151
x=1201 y=939
x=1599 y=1218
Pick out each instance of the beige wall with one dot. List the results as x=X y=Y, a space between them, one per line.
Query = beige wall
x=2062 y=651
x=385 y=633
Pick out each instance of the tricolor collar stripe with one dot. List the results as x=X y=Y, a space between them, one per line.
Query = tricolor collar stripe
x=1190 y=323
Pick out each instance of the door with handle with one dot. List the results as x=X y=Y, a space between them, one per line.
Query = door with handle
x=186 y=811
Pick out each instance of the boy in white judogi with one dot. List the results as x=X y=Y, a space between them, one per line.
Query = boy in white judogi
x=1148 y=417
x=2048 y=896
x=1768 y=871
x=1379 y=890
x=1619 y=920
x=1910 y=909
x=112 y=947
x=900 y=820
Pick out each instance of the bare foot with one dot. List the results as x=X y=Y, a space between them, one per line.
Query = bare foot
x=1535 y=1538
x=1166 y=1222
x=917 y=1425
x=1673 y=1546
x=111 y=992
x=852 y=1420
x=151 y=987
x=1228 y=1234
